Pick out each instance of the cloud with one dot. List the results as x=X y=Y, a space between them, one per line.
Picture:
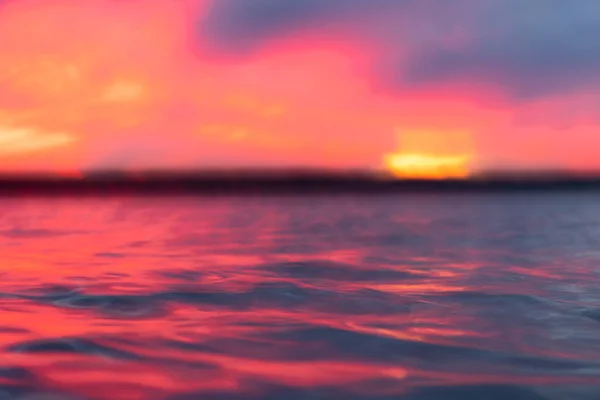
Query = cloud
x=530 y=48
x=526 y=48
x=25 y=140
x=244 y=25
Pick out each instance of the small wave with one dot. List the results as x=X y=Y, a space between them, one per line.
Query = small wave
x=324 y=270
x=16 y=373
x=107 y=254
x=474 y=392
x=271 y=392
x=47 y=292
x=267 y=295
x=265 y=391
x=470 y=295
x=117 y=306
x=284 y=294
x=593 y=314
x=13 y=329
x=110 y=306
x=70 y=346
x=186 y=275
x=32 y=394
x=374 y=347
x=15 y=391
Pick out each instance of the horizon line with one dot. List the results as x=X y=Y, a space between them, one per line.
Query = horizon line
x=491 y=173
x=281 y=182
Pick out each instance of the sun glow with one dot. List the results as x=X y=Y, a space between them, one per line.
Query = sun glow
x=423 y=166
x=427 y=155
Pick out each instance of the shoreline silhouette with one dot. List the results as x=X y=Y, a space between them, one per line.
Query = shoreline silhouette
x=282 y=182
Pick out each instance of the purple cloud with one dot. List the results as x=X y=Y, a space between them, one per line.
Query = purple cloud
x=527 y=48
x=244 y=25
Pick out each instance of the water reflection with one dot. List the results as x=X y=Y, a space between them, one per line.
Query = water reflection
x=419 y=298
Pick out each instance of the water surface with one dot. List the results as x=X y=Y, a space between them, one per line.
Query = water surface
x=410 y=297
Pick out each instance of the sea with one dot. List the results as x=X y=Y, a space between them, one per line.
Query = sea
x=456 y=296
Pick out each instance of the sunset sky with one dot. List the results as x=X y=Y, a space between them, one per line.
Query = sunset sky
x=320 y=83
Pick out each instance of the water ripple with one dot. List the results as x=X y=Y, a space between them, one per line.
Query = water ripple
x=405 y=298
x=69 y=346
x=124 y=306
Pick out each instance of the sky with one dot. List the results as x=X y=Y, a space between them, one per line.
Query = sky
x=137 y=84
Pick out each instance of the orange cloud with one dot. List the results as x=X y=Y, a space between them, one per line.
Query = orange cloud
x=24 y=140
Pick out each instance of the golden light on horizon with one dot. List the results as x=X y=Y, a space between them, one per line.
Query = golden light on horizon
x=431 y=155
x=423 y=166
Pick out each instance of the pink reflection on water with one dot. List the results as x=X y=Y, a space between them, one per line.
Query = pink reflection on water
x=128 y=298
